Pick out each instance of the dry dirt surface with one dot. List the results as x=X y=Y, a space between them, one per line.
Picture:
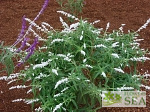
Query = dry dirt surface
x=133 y=13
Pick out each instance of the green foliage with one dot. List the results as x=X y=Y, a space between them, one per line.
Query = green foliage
x=79 y=63
x=73 y=67
x=71 y=6
x=6 y=59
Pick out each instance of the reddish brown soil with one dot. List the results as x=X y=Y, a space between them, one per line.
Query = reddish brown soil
x=133 y=13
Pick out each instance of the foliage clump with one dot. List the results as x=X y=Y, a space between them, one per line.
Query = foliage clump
x=72 y=6
x=76 y=64
x=73 y=66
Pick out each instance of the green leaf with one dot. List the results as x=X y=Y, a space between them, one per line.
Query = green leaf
x=8 y=63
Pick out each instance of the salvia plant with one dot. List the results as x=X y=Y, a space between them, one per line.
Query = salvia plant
x=73 y=66
x=72 y=6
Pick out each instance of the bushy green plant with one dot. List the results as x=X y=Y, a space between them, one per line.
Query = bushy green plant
x=6 y=59
x=73 y=67
x=72 y=6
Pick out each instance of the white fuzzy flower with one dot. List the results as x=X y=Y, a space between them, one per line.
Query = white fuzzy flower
x=3 y=78
x=121 y=28
x=68 y=15
x=11 y=49
x=31 y=101
x=117 y=34
x=89 y=66
x=134 y=47
x=28 y=44
x=18 y=87
x=81 y=37
x=61 y=55
x=66 y=57
x=57 y=40
x=39 y=109
x=29 y=91
x=43 y=47
x=96 y=21
x=36 y=35
x=82 y=52
x=46 y=24
x=75 y=25
x=64 y=89
x=57 y=95
x=122 y=45
x=108 y=25
x=50 y=54
x=115 y=44
x=57 y=107
x=84 y=60
x=144 y=26
x=43 y=64
x=103 y=74
x=65 y=25
x=101 y=45
x=146 y=87
x=64 y=109
x=109 y=39
x=135 y=43
x=136 y=75
x=119 y=70
x=96 y=32
x=18 y=100
x=41 y=76
x=115 y=55
x=34 y=24
x=125 y=88
x=13 y=80
x=12 y=76
x=146 y=75
x=84 y=46
x=137 y=40
x=140 y=59
x=55 y=71
x=78 y=78
x=87 y=80
x=65 y=80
